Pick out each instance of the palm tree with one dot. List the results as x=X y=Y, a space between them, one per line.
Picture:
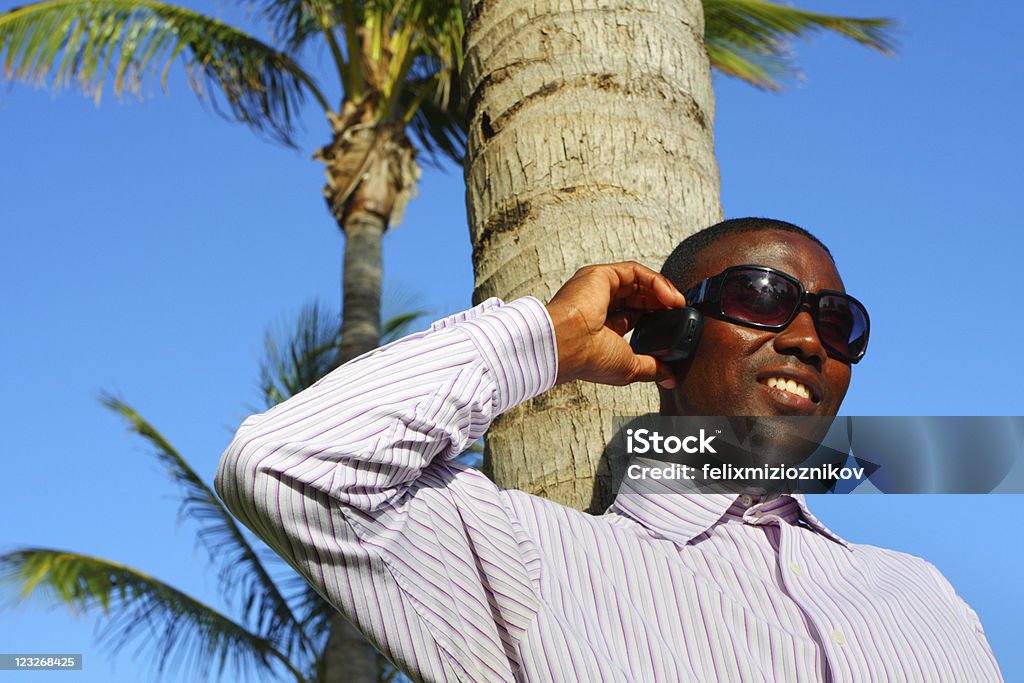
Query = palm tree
x=394 y=60
x=599 y=118
x=279 y=627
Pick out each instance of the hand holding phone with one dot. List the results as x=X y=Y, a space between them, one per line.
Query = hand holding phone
x=592 y=312
x=670 y=335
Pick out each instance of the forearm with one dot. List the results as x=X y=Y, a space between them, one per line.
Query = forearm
x=364 y=433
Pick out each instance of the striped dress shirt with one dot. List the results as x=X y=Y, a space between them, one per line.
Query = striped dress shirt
x=351 y=481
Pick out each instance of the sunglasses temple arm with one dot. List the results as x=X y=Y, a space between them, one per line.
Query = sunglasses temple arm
x=695 y=295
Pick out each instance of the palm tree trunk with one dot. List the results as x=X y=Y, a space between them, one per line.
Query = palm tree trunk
x=348 y=657
x=590 y=140
x=361 y=284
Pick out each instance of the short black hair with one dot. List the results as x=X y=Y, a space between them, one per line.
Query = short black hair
x=681 y=265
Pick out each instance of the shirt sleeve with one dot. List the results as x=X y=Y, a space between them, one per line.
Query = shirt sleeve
x=350 y=482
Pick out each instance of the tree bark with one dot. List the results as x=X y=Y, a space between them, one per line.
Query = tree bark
x=362 y=273
x=590 y=140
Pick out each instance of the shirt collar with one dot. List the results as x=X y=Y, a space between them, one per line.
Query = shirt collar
x=681 y=517
x=814 y=522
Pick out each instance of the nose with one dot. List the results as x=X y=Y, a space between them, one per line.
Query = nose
x=800 y=339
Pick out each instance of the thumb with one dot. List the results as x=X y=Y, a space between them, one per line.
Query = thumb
x=650 y=369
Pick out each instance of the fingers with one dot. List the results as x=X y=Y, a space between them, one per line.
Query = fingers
x=644 y=368
x=594 y=309
x=640 y=287
x=642 y=302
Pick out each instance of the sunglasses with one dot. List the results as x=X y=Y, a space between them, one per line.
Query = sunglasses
x=768 y=299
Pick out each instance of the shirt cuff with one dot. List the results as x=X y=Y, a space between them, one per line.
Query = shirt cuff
x=517 y=342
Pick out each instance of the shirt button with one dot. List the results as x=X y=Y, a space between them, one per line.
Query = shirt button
x=795 y=568
x=746 y=500
x=838 y=638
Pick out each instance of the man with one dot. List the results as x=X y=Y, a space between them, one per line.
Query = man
x=454 y=579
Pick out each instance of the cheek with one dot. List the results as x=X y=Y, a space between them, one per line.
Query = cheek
x=723 y=365
x=749 y=341
x=726 y=340
x=838 y=378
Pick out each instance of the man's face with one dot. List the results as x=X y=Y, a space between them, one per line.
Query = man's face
x=729 y=372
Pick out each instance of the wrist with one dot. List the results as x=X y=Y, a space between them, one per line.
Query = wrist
x=566 y=320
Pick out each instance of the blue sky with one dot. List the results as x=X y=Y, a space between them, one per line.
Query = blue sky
x=146 y=247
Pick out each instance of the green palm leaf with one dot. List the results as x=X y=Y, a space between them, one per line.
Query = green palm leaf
x=422 y=39
x=294 y=359
x=242 y=574
x=398 y=326
x=437 y=121
x=314 y=612
x=84 y=40
x=749 y=39
x=294 y=22
x=170 y=624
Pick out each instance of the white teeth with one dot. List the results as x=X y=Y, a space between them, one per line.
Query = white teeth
x=792 y=386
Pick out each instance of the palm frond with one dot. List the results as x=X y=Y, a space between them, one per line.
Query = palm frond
x=294 y=22
x=750 y=39
x=294 y=360
x=172 y=626
x=416 y=40
x=398 y=326
x=86 y=40
x=436 y=117
x=314 y=612
x=243 y=577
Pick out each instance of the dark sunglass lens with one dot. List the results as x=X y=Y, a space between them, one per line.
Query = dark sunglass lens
x=842 y=325
x=759 y=297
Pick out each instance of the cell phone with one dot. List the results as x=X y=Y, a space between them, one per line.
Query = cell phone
x=670 y=335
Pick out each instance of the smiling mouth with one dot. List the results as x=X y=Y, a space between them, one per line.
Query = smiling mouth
x=790 y=386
